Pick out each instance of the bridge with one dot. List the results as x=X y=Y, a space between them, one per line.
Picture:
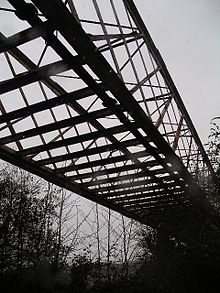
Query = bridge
x=88 y=104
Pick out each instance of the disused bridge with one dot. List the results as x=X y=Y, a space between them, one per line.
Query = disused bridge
x=87 y=103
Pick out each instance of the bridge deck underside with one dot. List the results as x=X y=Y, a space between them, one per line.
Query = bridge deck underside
x=88 y=104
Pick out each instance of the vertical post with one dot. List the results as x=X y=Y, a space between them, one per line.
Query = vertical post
x=125 y=248
x=98 y=243
x=109 y=248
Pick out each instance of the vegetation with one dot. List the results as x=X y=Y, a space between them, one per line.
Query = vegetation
x=38 y=251
x=39 y=242
x=27 y=232
x=189 y=259
x=214 y=144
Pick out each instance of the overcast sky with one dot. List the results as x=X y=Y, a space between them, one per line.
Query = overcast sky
x=187 y=34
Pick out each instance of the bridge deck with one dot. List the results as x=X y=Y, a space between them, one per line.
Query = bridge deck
x=88 y=104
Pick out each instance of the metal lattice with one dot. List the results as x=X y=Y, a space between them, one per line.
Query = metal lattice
x=88 y=104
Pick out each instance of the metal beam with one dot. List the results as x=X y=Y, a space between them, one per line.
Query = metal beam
x=113 y=36
x=141 y=190
x=102 y=162
x=73 y=140
x=157 y=200
x=44 y=105
x=26 y=78
x=22 y=37
x=117 y=170
x=149 y=196
x=56 y=125
x=130 y=184
x=123 y=178
x=89 y=152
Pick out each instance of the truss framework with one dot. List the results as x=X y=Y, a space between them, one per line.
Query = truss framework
x=88 y=104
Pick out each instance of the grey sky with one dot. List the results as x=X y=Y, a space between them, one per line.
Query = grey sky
x=187 y=34
x=188 y=37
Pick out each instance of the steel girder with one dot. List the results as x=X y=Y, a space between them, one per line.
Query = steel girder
x=109 y=123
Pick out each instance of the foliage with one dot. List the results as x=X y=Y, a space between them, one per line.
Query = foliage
x=24 y=221
x=34 y=248
x=214 y=143
x=28 y=228
x=213 y=190
x=186 y=258
x=187 y=261
x=80 y=269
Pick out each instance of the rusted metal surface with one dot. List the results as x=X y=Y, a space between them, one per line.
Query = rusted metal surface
x=91 y=107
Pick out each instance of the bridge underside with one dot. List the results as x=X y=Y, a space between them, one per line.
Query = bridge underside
x=87 y=103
